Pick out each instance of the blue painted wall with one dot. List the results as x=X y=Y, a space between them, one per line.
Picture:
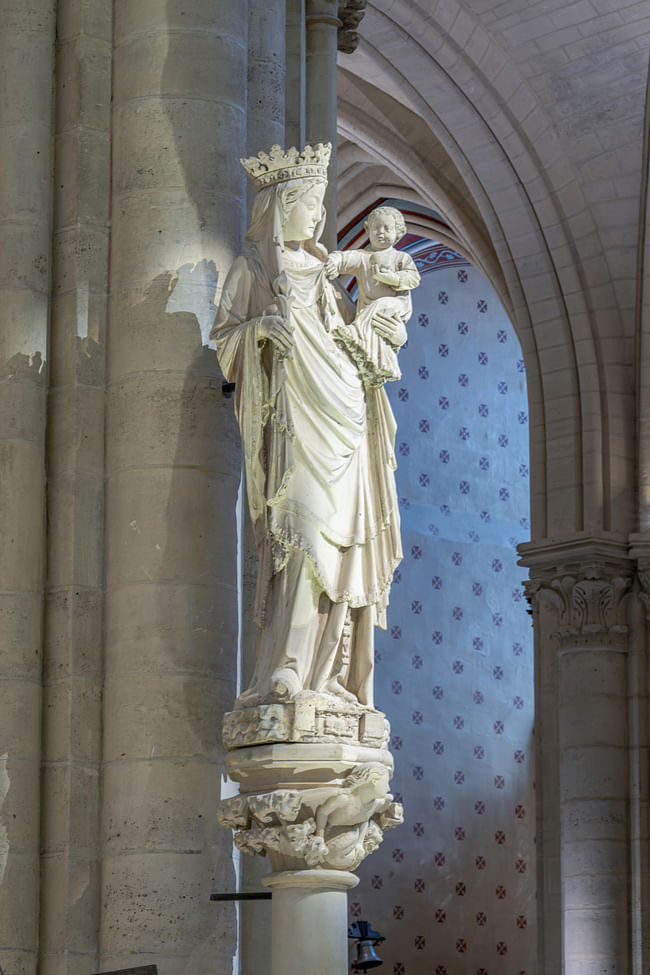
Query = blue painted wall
x=453 y=889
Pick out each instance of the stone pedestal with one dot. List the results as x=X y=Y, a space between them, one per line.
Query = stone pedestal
x=307 y=718
x=313 y=776
x=310 y=806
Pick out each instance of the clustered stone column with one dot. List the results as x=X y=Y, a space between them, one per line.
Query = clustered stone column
x=269 y=32
x=173 y=473
x=73 y=660
x=154 y=106
x=27 y=58
x=330 y=26
x=586 y=610
x=639 y=762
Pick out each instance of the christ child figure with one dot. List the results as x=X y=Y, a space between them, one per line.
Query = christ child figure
x=385 y=278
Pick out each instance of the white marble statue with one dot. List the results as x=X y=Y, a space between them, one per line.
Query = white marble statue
x=385 y=278
x=318 y=446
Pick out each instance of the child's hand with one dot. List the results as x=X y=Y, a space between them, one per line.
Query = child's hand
x=332 y=266
x=385 y=276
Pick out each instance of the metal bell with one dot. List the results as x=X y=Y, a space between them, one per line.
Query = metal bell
x=367 y=957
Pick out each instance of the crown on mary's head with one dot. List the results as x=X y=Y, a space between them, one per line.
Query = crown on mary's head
x=278 y=166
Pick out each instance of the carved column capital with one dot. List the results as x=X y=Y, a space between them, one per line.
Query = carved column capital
x=640 y=550
x=590 y=602
x=586 y=580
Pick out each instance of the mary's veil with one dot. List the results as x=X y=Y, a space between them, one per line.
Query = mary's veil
x=264 y=240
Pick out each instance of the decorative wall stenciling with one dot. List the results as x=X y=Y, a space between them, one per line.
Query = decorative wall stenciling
x=453 y=888
x=434 y=256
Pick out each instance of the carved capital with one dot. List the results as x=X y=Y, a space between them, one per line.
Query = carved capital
x=643 y=575
x=644 y=578
x=589 y=600
x=351 y=13
x=333 y=826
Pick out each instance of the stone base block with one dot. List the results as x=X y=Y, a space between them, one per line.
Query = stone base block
x=308 y=717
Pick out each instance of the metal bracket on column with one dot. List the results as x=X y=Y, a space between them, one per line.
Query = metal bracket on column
x=138 y=970
x=253 y=895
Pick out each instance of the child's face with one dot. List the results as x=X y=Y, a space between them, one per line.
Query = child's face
x=381 y=231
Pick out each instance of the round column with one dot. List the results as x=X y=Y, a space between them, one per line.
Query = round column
x=27 y=57
x=310 y=912
x=264 y=128
x=322 y=24
x=173 y=472
x=295 y=74
x=266 y=78
x=73 y=658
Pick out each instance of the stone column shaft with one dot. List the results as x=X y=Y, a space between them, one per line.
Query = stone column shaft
x=547 y=793
x=322 y=25
x=27 y=58
x=643 y=346
x=593 y=794
x=295 y=76
x=173 y=471
x=264 y=127
x=589 y=599
x=265 y=116
x=310 y=912
x=639 y=774
x=74 y=601
x=266 y=78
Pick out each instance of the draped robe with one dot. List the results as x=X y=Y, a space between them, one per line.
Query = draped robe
x=319 y=461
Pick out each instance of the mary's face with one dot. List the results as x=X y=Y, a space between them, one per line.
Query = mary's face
x=304 y=216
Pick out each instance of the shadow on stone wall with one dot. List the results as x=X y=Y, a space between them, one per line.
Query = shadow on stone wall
x=202 y=499
x=22 y=366
x=207 y=139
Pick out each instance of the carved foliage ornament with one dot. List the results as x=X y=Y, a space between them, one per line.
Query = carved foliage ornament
x=644 y=580
x=590 y=603
x=332 y=827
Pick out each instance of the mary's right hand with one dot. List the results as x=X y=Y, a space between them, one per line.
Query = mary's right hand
x=391 y=328
x=277 y=330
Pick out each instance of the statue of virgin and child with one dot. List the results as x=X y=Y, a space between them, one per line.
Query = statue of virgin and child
x=318 y=435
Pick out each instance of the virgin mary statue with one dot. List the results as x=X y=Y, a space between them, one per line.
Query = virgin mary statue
x=318 y=446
